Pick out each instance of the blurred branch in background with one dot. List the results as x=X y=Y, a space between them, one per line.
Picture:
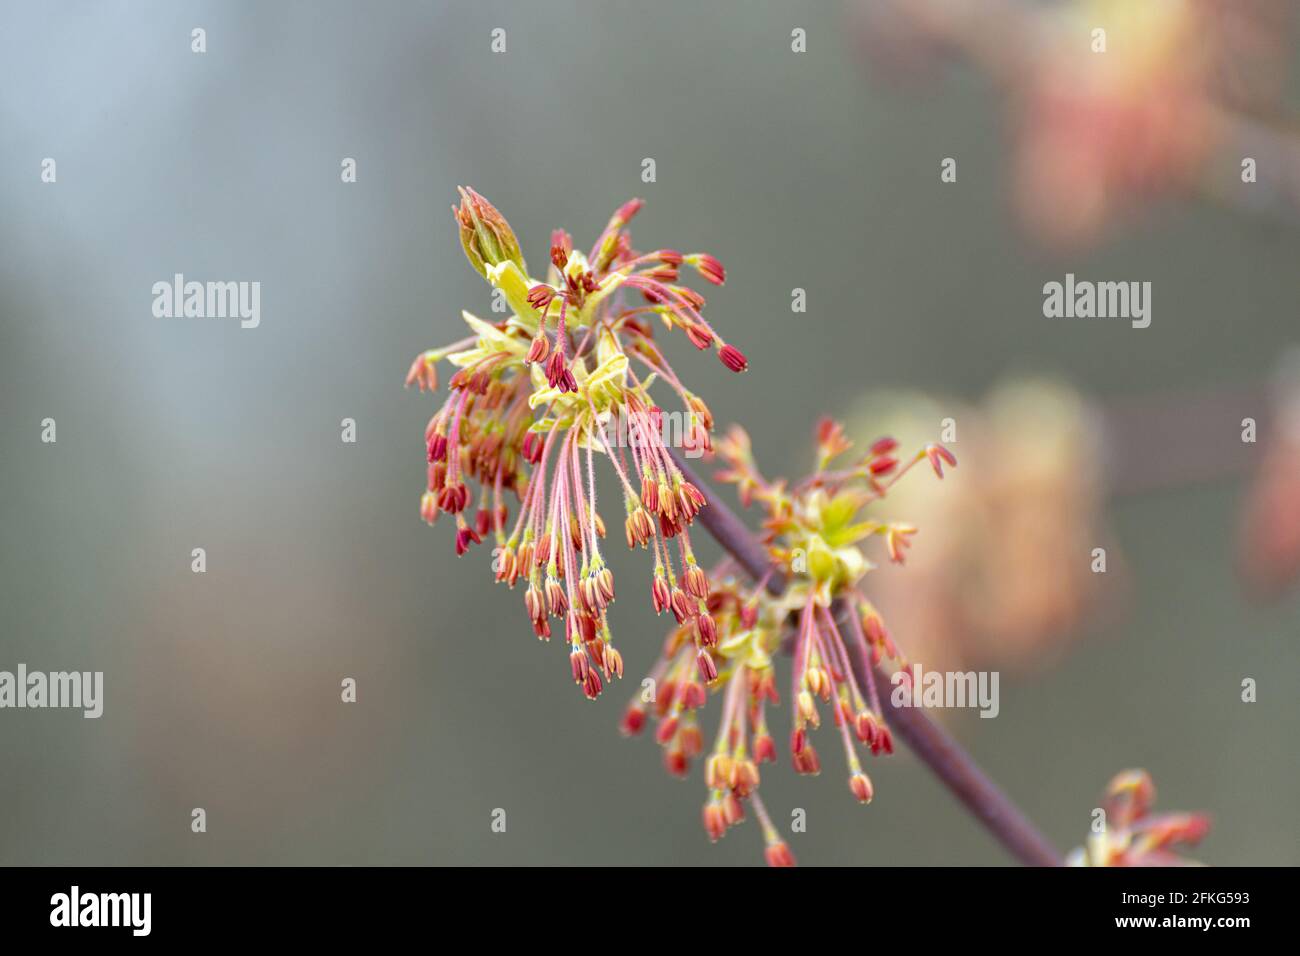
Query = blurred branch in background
x=1171 y=100
x=1008 y=577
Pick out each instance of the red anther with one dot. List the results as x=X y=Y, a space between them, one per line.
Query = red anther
x=938 y=455
x=626 y=211
x=693 y=298
x=538 y=349
x=450 y=498
x=423 y=373
x=696 y=581
x=699 y=335
x=677 y=763
x=733 y=358
x=845 y=712
x=532 y=448
x=897 y=541
x=764 y=748
x=667 y=501
x=659 y=593
x=874 y=628
x=438 y=448
x=884 y=742
x=592 y=686
x=1179 y=827
x=708 y=267
x=860 y=784
x=667 y=694
x=865 y=727
x=764 y=687
x=590 y=600
x=693 y=695
x=778 y=854
x=605 y=584
x=681 y=607
x=613 y=662
x=798 y=741
x=540 y=296
x=666 y=730
x=650 y=491
x=883 y=446
x=708 y=669
x=635 y=326
x=506 y=570
x=633 y=720
x=556 y=600
x=639 y=528
x=465 y=535
x=715 y=821
x=882 y=466
x=717 y=771
x=807 y=761
x=707 y=628
x=691 y=738
x=534 y=603
x=748 y=615
x=578 y=664
x=556 y=369
x=732 y=809
x=744 y=777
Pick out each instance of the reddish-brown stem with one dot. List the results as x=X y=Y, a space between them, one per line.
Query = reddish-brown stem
x=930 y=742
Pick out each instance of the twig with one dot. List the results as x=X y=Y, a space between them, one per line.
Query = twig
x=931 y=743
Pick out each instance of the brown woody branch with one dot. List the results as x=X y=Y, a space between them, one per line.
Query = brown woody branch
x=930 y=742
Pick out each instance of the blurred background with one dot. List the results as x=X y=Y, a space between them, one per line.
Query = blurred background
x=817 y=170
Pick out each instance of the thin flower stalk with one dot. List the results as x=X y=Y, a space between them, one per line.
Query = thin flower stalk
x=816 y=529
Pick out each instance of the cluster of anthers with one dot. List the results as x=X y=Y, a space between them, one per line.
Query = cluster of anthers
x=534 y=399
x=1127 y=833
x=814 y=532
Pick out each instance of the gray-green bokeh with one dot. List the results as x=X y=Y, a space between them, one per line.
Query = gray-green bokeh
x=796 y=170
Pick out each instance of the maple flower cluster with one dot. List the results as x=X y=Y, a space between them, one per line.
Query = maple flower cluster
x=1129 y=834
x=531 y=405
x=814 y=532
